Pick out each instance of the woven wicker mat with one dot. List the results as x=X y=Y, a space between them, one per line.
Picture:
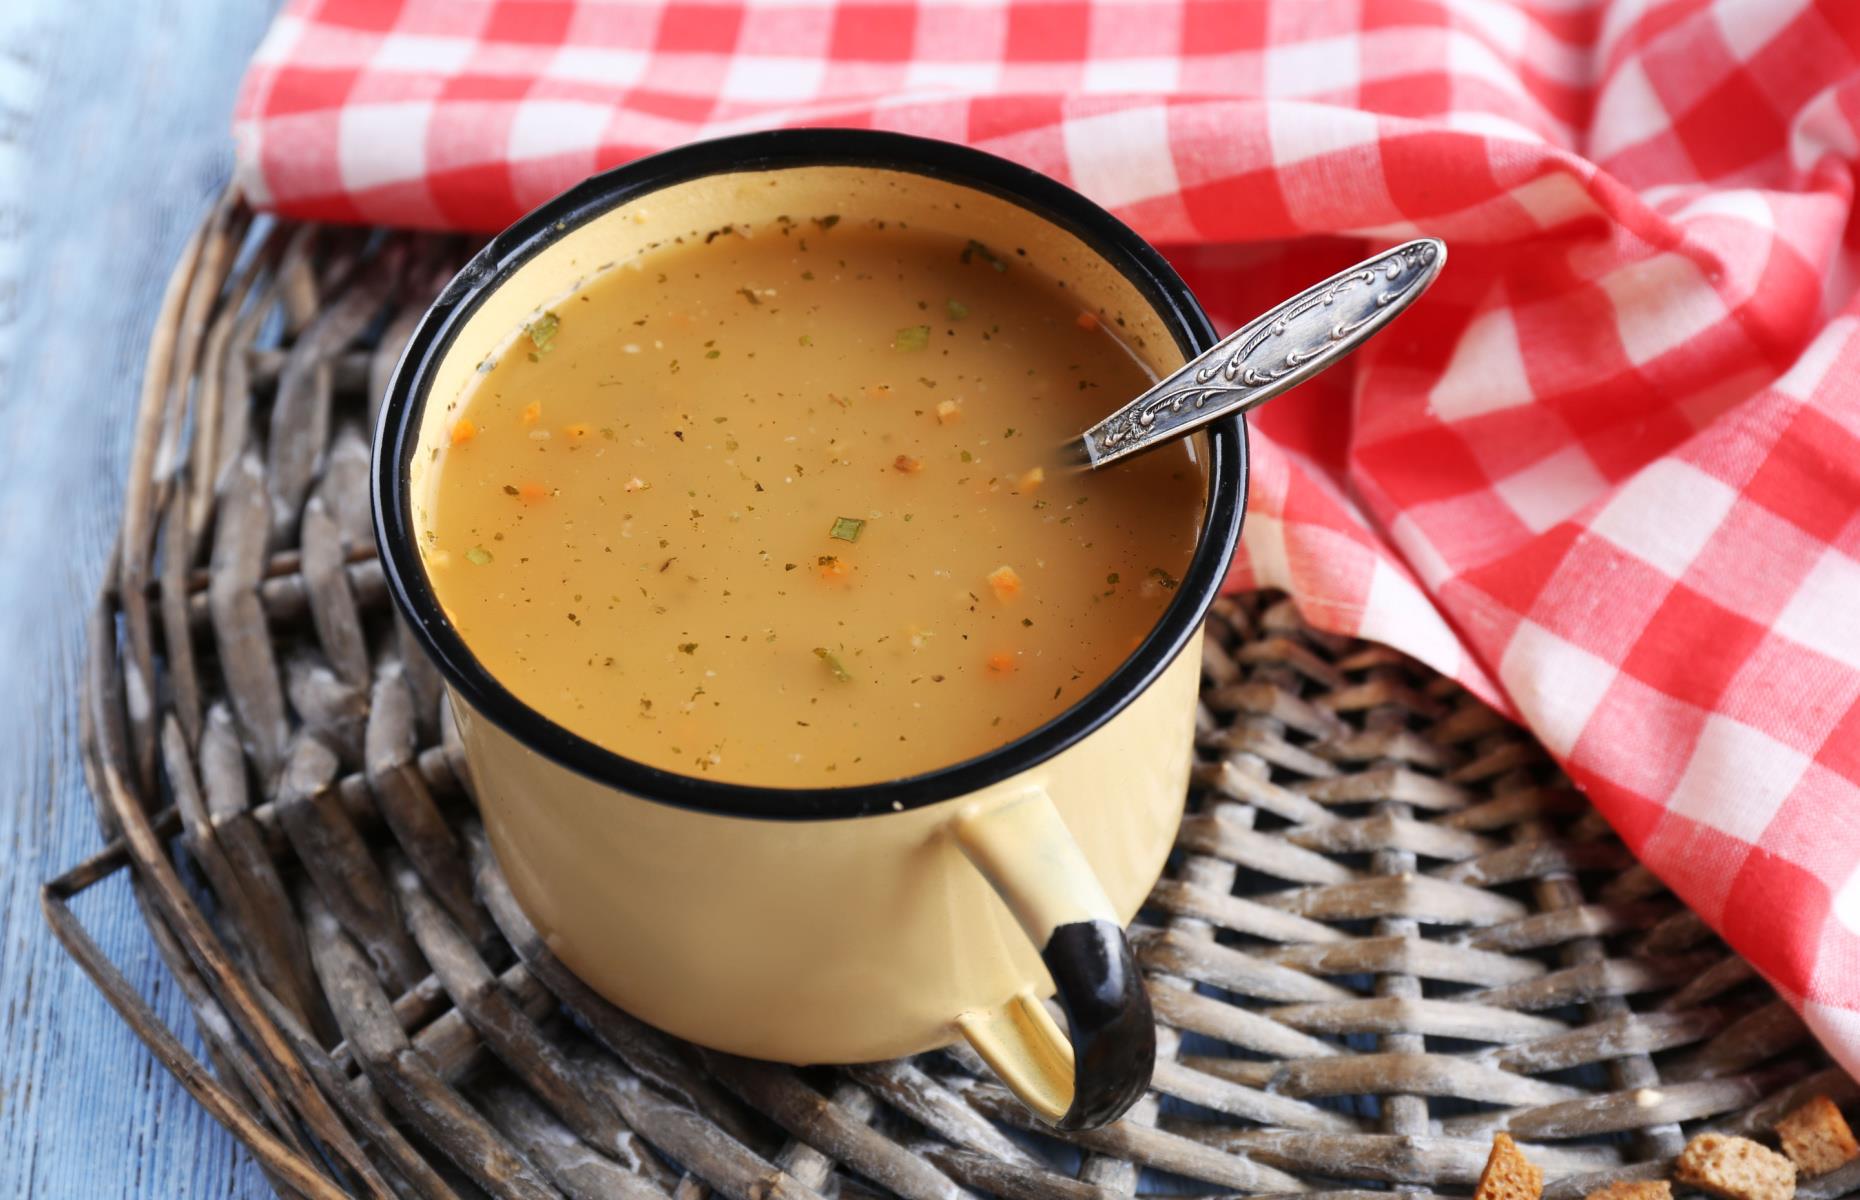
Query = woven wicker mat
x=1390 y=928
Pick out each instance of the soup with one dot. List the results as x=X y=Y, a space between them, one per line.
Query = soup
x=785 y=506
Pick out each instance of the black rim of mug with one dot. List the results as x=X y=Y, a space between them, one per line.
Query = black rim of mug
x=1111 y=239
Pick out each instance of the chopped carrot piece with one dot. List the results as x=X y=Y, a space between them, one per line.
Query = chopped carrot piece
x=1030 y=480
x=832 y=566
x=948 y=412
x=530 y=493
x=877 y=391
x=907 y=464
x=1005 y=581
x=576 y=432
x=464 y=430
x=532 y=412
x=1088 y=320
x=1001 y=663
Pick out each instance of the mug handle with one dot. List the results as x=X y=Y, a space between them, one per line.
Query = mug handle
x=1026 y=853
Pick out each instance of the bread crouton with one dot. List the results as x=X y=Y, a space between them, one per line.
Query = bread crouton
x=1735 y=1168
x=1634 y=1189
x=1508 y=1175
x=1816 y=1137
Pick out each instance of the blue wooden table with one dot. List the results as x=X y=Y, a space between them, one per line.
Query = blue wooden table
x=113 y=139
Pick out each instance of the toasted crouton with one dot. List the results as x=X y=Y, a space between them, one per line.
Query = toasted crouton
x=1735 y=1168
x=1816 y=1137
x=1634 y=1189
x=1508 y=1175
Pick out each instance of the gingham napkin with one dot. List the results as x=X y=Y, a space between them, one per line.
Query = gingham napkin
x=1607 y=473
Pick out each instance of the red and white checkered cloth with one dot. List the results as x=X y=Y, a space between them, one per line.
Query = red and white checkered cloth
x=1607 y=473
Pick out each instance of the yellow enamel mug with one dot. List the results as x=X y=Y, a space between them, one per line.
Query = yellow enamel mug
x=859 y=923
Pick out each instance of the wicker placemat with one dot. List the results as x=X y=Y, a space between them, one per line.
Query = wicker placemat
x=1391 y=928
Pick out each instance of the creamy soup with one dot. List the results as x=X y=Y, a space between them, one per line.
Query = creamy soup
x=785 y=507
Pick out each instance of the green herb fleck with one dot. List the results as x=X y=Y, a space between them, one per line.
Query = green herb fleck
x=1111 y=579
x=687 y=647
x=957 y=309
x=478 y=556
x=510 y=491
x=807 y=339
x=542 y=332
x=828 y=221
x=976 y=250
x=967 y=457
x=846 y=529
x=911 y=337
x=749 y=294
x=713 y=354
x=1163 y=577
x=833 y=664
x=807 y=275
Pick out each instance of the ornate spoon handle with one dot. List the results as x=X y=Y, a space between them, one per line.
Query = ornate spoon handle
x=1274 y=352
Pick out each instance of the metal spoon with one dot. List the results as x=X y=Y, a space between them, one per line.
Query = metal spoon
x=1275 y=351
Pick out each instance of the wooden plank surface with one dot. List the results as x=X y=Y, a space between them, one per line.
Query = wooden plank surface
x=113 y=138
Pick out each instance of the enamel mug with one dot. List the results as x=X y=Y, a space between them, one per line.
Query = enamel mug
x=848 y=924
